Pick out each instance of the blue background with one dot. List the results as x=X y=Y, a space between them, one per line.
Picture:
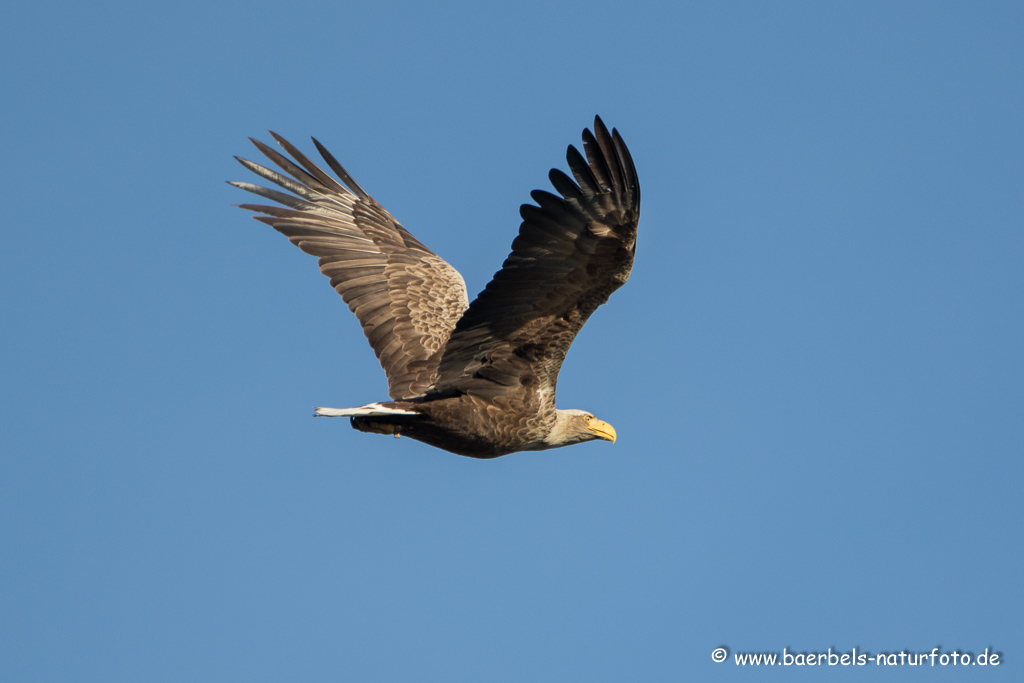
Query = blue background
x=815 y=371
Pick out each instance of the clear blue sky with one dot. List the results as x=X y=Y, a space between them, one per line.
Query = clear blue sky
x=815 y=371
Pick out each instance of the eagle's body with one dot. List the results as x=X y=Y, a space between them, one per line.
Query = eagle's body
x=465 y=424
x=474 y=379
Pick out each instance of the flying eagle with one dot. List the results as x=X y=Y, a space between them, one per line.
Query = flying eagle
x=476 y=379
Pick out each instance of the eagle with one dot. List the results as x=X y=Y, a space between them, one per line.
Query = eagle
x=475 y=379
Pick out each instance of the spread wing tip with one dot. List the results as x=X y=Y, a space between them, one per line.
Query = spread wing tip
x=611 y=164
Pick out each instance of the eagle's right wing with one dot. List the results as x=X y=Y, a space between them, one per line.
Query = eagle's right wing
x=406 y=298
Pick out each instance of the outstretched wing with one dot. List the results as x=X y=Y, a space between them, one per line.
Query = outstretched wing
x=406 y=297
x=572 y=252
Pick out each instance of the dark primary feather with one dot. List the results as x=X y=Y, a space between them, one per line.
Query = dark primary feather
x=405 y=296
x=572 y=252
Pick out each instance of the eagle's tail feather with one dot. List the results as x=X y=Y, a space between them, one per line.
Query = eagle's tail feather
x=369 y=410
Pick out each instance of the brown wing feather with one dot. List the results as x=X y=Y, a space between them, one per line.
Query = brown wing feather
x=572 y=252
x=406 y=297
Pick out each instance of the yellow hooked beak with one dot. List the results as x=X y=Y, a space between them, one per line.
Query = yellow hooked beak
x=602 y=429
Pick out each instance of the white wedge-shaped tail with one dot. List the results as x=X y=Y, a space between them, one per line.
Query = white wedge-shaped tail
x=369 y=410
